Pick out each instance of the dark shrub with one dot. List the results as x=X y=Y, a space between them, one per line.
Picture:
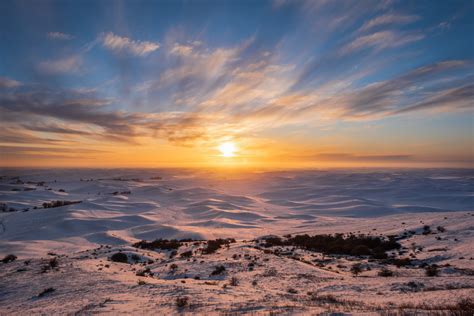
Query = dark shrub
x=119 y=257
x=426 y=230
x=218 y=270
x=292 y=291
x=187 y=254
x=52 y=264
x=384 y=272
x=173 y=267
x=234 y=281
x=356 y=269
x=181 y=301
x=441 y=229
x=9 y=258
x=163 y=244
x=432 y=270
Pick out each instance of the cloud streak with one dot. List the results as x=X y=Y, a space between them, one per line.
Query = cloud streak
x=59 y=36
x=67 y=65
x=118 y=43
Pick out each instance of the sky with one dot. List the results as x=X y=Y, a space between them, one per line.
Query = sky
x=284 y=84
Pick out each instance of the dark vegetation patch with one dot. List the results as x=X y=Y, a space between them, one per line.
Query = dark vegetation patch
x=356 y=269
x=144 y=272
x=234 y=281
x=182 y=301
x=339 y=244
x=163 y=244
x=399 y=262
x=51 y=264
x=432 y=270
x=426 y=230
x=119 y=257
x=5 y=209
x=58 y=203
x=213 y=245
x=187 y=254
x=218 y=270
x=9 y=258
x=121 y=193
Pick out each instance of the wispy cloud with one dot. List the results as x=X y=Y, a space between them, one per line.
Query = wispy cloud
x=388 y=19
x=66 y=65
x=419 y=89
x=124 y=44
x=6 y=83
x=181 y=50
x=59 y=36
x=381 y=40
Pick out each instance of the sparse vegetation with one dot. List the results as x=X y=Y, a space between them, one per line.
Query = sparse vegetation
x=270 y=272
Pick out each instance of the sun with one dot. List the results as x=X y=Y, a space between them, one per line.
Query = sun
x=227 y=149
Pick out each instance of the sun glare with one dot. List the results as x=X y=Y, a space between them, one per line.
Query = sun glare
x=227 y=149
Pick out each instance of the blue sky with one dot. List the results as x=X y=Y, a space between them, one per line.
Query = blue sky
x=298 y=80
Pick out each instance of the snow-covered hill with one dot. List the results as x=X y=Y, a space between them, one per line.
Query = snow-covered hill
x=120 y=207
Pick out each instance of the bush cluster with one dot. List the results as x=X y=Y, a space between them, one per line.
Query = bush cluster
x=9 y=258
x=213 y=245
x=163 y=244
x=59 y=203
x=356 y=245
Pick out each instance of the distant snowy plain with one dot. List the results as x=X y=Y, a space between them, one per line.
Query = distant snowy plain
x=65 y=265
x=124 y=205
